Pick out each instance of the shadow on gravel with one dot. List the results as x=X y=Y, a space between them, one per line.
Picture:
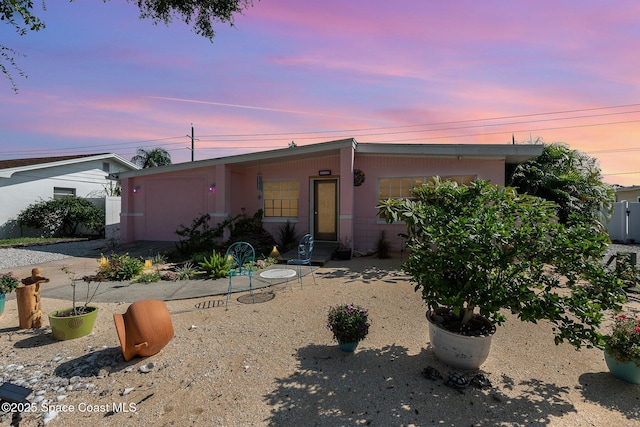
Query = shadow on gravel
x=38 y=338
x=385 y=387
x=604 y=389
x=91 y=364
x=365 y=274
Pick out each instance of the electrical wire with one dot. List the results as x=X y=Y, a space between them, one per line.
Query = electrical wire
x=426 y=130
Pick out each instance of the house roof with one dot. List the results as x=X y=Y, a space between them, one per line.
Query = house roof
x=509 y=152
x=9 y=167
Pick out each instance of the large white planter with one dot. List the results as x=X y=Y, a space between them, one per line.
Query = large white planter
x=457 y=350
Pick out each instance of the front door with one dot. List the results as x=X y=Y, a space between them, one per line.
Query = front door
x=325 y=209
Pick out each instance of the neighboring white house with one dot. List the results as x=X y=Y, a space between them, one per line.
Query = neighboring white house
x=630 y=194
x=26 y=181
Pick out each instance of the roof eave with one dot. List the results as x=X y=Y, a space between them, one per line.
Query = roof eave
x=8 y=173
x=511 y=153
x=249 y=159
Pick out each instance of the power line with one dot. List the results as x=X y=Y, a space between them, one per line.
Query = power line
x=452 y=122
x=353 y=132
x=614 y=150
x=83 y=147
x=314 y=135
x=425 y=138
x=622 y=173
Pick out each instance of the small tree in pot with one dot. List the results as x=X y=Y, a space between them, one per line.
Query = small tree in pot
x=482 y=249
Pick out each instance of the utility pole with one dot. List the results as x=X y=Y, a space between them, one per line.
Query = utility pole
x=193 y=148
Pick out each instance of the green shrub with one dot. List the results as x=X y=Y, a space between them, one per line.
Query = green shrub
x=488 y=249
x=121 y=267
x=199 y=237
x=215 y=266
x=148 y=277
x=627 y=270
x=288 y=236
x=199 y=257
x=63 y=216
x=250 y=229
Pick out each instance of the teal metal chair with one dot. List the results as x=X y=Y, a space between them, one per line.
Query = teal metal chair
x=305 y=249
x=240 y=259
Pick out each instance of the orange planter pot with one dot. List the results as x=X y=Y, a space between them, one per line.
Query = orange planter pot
x=144 y=329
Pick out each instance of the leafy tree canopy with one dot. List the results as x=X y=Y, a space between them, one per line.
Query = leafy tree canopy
x=203 y=13
x=200 y=14
x=151 y=158
x=568 y=177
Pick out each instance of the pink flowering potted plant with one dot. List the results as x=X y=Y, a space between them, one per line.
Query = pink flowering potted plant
x=622 y=349
x=349 y=324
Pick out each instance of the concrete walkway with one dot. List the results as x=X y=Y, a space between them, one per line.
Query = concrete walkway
x=59 y=285
x=166 y=290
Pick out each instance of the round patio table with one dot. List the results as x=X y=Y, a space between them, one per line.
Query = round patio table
x=278 y=273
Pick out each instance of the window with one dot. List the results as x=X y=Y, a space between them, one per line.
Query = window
x=280 y=198
x=400 y=188
x=59 y=192
x=395 y=188
x=106 y=167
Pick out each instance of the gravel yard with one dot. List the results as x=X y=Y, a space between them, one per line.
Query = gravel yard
x=275 y=364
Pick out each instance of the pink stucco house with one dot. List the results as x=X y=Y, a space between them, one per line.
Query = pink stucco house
x=329 y=189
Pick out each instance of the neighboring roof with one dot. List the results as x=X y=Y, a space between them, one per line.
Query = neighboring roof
x=511 y=153
x=9 y=167
x=619 y=189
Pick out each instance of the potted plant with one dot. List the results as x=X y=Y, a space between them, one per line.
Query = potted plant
x=78 y=320
x=8 y=283
x=480 y=249
x=345 y=249
x=349 y=324
x=622 y=349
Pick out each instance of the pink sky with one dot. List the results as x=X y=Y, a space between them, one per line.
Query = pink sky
x=463 y=72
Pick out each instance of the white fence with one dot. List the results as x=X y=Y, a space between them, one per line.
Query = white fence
x=112 y=210
x=624 y=225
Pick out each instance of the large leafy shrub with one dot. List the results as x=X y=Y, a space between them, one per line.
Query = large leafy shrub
x=200 y=237
x=63 y=216
x=487 y=248
x=570 y=178
x=250 y=229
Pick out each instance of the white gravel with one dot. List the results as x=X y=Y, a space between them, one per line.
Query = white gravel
x=29 y=255
x=276 y=364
